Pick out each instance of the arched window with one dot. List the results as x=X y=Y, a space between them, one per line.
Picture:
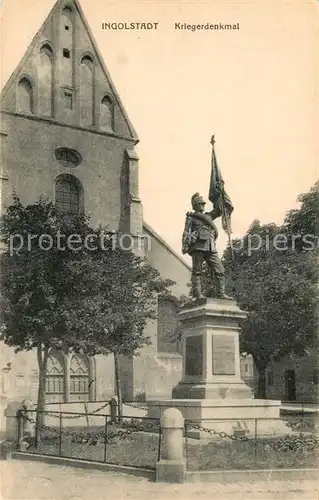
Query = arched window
x=24 y=96
x=79 y=378
x=67 y=195
x=45 y=80
x=86 y=90
x=66 y=33
x=107 y=113
x=166 y=326
x=55 y=378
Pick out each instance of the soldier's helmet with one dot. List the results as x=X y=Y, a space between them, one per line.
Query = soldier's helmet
x=197 y=198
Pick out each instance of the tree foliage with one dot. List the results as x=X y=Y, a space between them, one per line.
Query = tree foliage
x=276 y=284
x=84 y=294
x=305 y=219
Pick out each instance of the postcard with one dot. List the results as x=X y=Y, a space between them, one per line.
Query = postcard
x=159 y=203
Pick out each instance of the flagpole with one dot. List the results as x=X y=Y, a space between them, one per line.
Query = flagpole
x=224 y=214
x=228 y=232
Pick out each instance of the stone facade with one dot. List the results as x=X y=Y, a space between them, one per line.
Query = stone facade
x=294 y=378
x=248 y=371
x=65 y=135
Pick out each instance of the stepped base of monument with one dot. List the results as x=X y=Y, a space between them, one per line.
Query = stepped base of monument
x=211 y=390
x=235 y=417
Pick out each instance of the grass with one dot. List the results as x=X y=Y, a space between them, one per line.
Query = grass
x=139 y=449
x=226 y=455
x=299 y=450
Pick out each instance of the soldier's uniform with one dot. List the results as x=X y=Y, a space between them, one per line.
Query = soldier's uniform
x=199 y=241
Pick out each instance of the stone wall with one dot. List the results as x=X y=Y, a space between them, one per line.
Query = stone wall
x=45 y=107
x=293 y=378
x=155 y=375
x=305 y=369
x=63 y=67
x=30 y=163
x=167 y=261
x=248 y=371
x=19 y=374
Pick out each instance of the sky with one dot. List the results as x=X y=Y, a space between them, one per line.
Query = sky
x=254 y=88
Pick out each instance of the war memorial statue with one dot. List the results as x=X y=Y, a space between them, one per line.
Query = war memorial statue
x=211 y=390
x=200 y=234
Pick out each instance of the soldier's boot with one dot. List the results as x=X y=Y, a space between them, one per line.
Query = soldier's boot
x=221 y=294
x=197 y=287
x=212 y=289
x=211 y=292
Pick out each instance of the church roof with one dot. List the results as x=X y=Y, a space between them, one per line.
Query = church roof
x=60 y=4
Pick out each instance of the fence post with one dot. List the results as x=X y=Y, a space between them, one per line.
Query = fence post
x=60 y=434
x=12 y=422
x=113 y=409
x=105 y=438
x=255 y=443
x=28 y=427
x=20 y=428
x=172 y=466
x=6 y=449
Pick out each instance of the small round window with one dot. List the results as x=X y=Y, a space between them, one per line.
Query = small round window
x=68 y=157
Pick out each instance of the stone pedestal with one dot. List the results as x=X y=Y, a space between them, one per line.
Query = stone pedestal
x=211 y=352
x=211 y=391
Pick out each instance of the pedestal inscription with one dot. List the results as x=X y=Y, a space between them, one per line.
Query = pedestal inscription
x=223 y=355
x=194 y=355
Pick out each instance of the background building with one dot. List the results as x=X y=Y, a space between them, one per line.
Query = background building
x=248 y=371
x=65 y=135
x=294 y=378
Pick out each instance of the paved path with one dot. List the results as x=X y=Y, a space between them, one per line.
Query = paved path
x=23 y=480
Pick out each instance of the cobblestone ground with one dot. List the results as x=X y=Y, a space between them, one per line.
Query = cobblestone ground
x=39 y=481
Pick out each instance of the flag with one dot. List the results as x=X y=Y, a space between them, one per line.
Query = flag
x=217 y=194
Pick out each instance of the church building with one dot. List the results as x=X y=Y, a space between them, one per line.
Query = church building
x=65 y=135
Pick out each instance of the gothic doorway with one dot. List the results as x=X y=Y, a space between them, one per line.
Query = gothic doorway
x=290 y=385
x=79 y=378
x=55 y=378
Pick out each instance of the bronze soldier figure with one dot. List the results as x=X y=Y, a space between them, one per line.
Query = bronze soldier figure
x=199 y=241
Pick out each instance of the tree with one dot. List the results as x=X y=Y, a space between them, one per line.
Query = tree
x=69 y=286
x=276 y=285
x=304 y=220
x=115 y=311
x=37 y=275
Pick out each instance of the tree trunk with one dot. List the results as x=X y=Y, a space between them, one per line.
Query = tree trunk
x=261 y=385
x=118 y=386
x=42 y=353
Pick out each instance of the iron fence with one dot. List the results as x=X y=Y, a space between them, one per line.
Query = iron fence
x=260 y=443
x=135 y=441
x=127 y=440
